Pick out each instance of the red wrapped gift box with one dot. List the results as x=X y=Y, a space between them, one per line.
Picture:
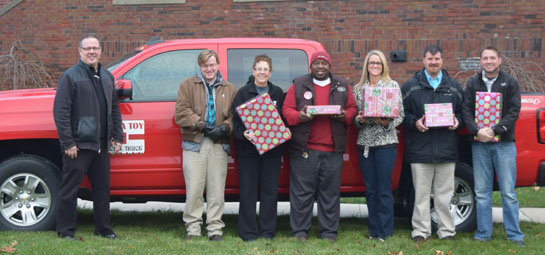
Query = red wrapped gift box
x=380 y=102
x=439 y=115
x=323 y=109
x=260 y=116
x=487 y=111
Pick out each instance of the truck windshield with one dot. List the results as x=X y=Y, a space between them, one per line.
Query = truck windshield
x=114 y=64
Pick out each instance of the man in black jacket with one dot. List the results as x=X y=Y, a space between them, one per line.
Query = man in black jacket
x=432 y=152
x=88 y=120
x=490 y=156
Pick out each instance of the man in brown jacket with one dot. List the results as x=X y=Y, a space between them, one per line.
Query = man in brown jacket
x=203 y=114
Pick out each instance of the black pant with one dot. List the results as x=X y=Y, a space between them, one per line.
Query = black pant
x=316 y=177
x=258 y=176
x=97 y=167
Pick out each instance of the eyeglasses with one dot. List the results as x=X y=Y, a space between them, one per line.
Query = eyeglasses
x=374 y=64
x=206 y=66
x=90 y=48
x=266 y=70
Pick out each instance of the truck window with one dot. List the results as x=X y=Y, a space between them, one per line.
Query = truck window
x=158 y=77
x=288 y=64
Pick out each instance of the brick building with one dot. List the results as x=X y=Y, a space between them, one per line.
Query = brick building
x=348 y=29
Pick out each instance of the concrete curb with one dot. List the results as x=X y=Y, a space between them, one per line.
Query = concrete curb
x=534 y=215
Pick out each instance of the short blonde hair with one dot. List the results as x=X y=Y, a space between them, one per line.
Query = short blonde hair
x=385 y=76
x=206 y=55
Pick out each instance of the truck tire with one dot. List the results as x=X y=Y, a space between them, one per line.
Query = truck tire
x=28 y=193
x=462 y=205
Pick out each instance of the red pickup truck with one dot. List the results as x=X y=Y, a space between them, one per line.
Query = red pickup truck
x=149 y=167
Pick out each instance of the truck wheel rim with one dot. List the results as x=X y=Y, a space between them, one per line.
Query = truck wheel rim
x=461 y=204
x=25 y=199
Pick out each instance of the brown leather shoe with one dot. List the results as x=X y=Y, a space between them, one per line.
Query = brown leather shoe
x=419 y=239
x=215 y=238
x=331 y=239
x=190 y=237
x=448 y=238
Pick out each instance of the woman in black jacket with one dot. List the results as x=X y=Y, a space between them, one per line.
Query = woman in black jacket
x=258 y=174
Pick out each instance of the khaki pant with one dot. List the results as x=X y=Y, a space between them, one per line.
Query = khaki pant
x=440 y=176
x=206 y=169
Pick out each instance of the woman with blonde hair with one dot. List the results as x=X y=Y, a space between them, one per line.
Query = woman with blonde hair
x=377 y=147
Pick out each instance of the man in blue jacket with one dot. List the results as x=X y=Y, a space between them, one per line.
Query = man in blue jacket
x=88 y=119
x=432 y=152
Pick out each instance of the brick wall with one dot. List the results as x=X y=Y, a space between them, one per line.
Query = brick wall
x=4 y=3
x=348 y=29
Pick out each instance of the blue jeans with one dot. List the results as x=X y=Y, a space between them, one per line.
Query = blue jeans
x=501 y=157
x=377 y=174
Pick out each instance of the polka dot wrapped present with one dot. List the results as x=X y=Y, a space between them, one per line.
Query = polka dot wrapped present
x=260 y=116
x=487 y=111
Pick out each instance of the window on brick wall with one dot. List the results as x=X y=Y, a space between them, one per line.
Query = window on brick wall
x=158 y=78
x=287 y=65
x=134 y=2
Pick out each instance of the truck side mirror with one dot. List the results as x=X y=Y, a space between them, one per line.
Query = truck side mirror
x=124 y=89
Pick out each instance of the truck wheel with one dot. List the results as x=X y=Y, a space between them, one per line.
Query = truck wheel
x=28 y=192
x=462 y=205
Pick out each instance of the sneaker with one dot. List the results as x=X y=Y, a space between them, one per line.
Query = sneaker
x=380 y=240
x=302 y=239
x=519 y=243
x=419 y=239
x=215 y=238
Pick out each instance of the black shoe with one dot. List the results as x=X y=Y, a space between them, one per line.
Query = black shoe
x=108 y=236
x=519 y=243
x=419 y=239
x=215 y=238
x=67 y=237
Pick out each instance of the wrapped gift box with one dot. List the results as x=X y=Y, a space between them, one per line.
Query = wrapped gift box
x=380 y=102
x=323 y=109
x=488 y=110
x=260 y=116
x=439 y=115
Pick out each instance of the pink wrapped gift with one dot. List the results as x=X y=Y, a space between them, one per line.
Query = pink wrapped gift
x=439 y=115
x=488 y=110
x=261 y=117
x=381 y=102
x=323 y=109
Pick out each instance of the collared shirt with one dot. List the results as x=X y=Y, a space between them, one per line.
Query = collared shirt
x=488 y=82
x=434 y=82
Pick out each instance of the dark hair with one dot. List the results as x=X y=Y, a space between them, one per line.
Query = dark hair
x=265 y=58
x=87 y=36
x=492 y=48
x=433 y=49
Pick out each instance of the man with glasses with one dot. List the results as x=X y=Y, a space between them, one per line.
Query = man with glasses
x=432 y=152
x=203 y=112
x=88 y=119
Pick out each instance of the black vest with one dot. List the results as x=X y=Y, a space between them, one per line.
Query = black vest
x=338 y=95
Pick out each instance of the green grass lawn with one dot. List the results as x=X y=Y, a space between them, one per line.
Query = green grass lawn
x=163 y=232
